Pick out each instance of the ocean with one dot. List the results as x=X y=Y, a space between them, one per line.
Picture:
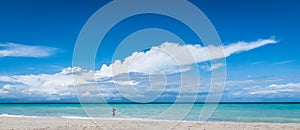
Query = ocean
x=264 y=113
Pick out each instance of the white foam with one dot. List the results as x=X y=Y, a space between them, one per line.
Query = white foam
x=8 y=115
x=75 y=117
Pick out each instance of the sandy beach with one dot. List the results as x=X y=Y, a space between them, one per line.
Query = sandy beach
x=20 y=123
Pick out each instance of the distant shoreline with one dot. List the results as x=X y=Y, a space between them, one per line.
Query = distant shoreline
x=152 y=103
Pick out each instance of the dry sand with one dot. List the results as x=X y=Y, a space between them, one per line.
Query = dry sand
x=20 y=123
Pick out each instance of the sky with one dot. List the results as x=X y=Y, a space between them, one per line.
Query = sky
x=149 y=57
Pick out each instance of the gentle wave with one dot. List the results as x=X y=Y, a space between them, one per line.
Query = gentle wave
x=84 y=118
x=8 y=115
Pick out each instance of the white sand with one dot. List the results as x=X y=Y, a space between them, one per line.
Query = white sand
x=20 y=123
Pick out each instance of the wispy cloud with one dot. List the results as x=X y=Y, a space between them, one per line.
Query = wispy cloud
x=212 y=67
x=20 y=50
x=59 y=86
x=258 y=62
x=246 y=46
x=124 y=83
x=279 y=89
x=172 y=58
x=284 y=62
x=263 y=89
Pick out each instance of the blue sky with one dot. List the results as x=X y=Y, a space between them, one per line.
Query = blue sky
x=37 y=40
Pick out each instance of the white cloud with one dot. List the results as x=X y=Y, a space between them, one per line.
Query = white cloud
x=124 y=83
x=262 y=89
x=71 y=70
x=7 y=87
x=20 y=50
x=213 y=66
x=216 y=66
x=284 y=62
x=258 y=62
x=46 y=86
x=285 y=86
x=159 y=59
x=246 y=46
x=172 y=58
x=266 y=88
x=61 y=85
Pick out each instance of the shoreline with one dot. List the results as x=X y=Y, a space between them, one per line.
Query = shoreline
x=133 y=119
x=131 y=124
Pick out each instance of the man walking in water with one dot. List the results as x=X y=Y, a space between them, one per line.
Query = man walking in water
x=113 y=112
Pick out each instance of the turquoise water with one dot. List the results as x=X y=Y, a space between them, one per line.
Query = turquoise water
x=273 y=113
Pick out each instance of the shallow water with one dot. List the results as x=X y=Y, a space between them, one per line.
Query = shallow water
x=271 y=113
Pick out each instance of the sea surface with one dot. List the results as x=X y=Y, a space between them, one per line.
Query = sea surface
x=265 y=113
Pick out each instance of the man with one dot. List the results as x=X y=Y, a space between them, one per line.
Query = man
x=113 y=112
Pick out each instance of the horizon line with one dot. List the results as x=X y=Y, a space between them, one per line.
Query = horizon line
x=150 y=103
